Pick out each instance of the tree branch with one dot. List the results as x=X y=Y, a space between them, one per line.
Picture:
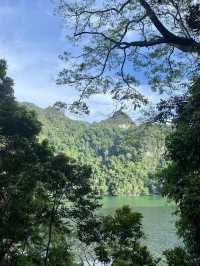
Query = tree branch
x=97 y=33
x=94 y=12
x=184 y=44
x=124 y=45
x=143 y=43
x=154 y=19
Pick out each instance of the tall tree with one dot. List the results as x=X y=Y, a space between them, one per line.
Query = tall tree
x=41 y=194
x=118 y=39
x=181 y=180
x=18 y=130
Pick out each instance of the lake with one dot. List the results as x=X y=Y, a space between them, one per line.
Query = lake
x=158 y=221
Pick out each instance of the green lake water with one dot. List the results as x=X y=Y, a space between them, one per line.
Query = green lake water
x=158 y=221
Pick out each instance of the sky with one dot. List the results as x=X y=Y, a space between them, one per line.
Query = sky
x=32 y=37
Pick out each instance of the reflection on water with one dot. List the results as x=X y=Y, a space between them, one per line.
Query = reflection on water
x=158 y=221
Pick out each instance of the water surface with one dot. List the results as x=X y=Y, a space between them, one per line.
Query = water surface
x=158 y=221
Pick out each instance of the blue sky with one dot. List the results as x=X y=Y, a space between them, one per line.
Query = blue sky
x=31 y=39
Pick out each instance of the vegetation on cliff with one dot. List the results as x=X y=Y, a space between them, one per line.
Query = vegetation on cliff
x=124 y=156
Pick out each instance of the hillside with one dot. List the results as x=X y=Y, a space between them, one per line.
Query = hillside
x=123 y=156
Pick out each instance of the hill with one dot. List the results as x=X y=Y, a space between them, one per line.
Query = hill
x=124 y=156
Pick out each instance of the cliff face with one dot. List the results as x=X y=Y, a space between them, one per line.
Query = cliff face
x=124 y=156
x=120 y=119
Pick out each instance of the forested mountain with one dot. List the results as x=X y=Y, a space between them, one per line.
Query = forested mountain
x=124 y=156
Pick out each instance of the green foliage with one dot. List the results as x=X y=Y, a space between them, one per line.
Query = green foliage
x=176 y=257
x=124 y=157
x=181 y=178
x=40 y=193
x=120 y=240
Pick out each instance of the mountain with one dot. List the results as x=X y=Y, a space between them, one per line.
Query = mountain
x=124 y=156
x=120 y=119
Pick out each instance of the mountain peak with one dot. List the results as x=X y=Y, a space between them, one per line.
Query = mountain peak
x=121 y=119
x=121 y=115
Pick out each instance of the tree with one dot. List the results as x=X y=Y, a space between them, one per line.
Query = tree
x=121 y=40
x=43 y=196
x=18 y=129
x=181 y=177
x=120 y=240
x=177 y=257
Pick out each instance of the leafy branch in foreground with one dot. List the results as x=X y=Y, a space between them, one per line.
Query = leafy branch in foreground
x=121 y=41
